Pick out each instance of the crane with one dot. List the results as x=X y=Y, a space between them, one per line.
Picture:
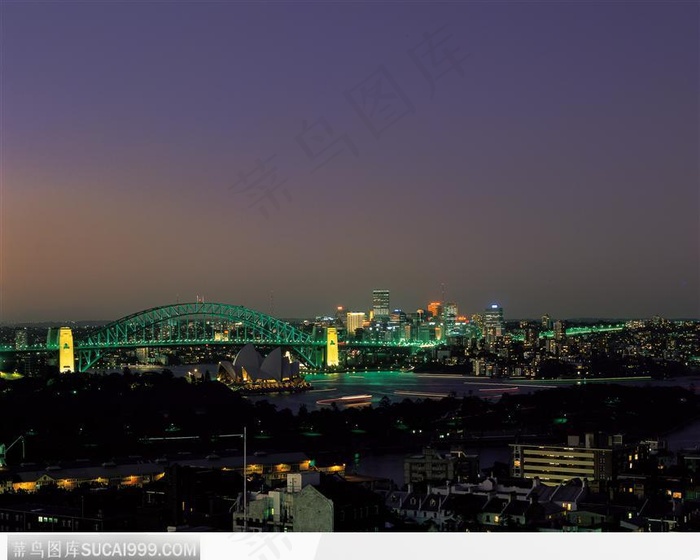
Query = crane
x=4 y=449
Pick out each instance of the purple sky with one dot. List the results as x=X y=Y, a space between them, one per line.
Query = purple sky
x=543 y=155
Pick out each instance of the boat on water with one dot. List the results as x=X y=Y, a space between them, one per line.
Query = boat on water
x=248 y=388
x=347 y=401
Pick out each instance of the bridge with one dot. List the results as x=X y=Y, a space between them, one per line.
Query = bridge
x=218 y=324
x=192 y=325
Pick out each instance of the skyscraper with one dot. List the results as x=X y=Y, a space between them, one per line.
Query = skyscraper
x=21 y=338
x=449 y=312
x=493 y=323
x=354 y=321
x=435 y=309
x=380 y=305
x=559 y=330
x=546 y=322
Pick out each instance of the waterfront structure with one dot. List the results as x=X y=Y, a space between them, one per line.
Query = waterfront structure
x=250 y=367
x=272 y=467
x=380 y=305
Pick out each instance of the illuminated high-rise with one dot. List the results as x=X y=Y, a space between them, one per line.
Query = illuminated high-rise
x=546 y=322
x=559 y=330
x=340 y=316
x=449 y=312
x=354 y=321
x=435 y=309
x=380 y=305
x=21 y=338
x=494 y=326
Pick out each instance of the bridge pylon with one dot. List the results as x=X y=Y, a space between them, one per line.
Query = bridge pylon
x=332 y=359
x=66 y=355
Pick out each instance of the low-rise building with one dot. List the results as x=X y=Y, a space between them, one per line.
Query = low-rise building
x=313 y=502
x=438 y=466
x=554 y=464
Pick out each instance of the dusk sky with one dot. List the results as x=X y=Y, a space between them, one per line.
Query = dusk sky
x=542 y=155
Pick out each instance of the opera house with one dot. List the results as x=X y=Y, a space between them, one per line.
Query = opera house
x=249 y=367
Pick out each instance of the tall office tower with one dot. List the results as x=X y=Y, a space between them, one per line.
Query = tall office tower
x=332 y=347
x=380 y=304
x=397 y=316
x=355 y=321
x=435 y=309
x=449 y=312
x=449 y=317
x=340 y=316
x=530 y=335
x=66 y=359
x=21 y=338
x=494 y=326
x=546 y=322
x=559 y=330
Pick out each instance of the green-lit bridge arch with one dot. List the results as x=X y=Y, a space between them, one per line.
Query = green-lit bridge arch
x=195 y=324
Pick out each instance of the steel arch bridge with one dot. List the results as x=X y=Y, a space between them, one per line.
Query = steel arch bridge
x=196 y=324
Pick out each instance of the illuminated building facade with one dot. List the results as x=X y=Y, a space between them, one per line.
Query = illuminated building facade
x=558 y=464
x=449 y=317
x=354 y=321
x=435 y=308
x=21 y=338
x=546 y=322
x=380 y=305
x=559 y=330
x=494 y=326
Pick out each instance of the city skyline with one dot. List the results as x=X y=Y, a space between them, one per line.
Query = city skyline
x=538 y=155
x=366 y=312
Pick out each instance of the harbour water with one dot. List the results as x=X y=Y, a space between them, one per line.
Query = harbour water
x=397 y=386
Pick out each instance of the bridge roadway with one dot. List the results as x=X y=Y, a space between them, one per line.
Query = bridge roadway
x=42 y=348
x=12 y=349
x=197 y=324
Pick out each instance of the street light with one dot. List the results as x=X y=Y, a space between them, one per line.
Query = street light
x=244 y=435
